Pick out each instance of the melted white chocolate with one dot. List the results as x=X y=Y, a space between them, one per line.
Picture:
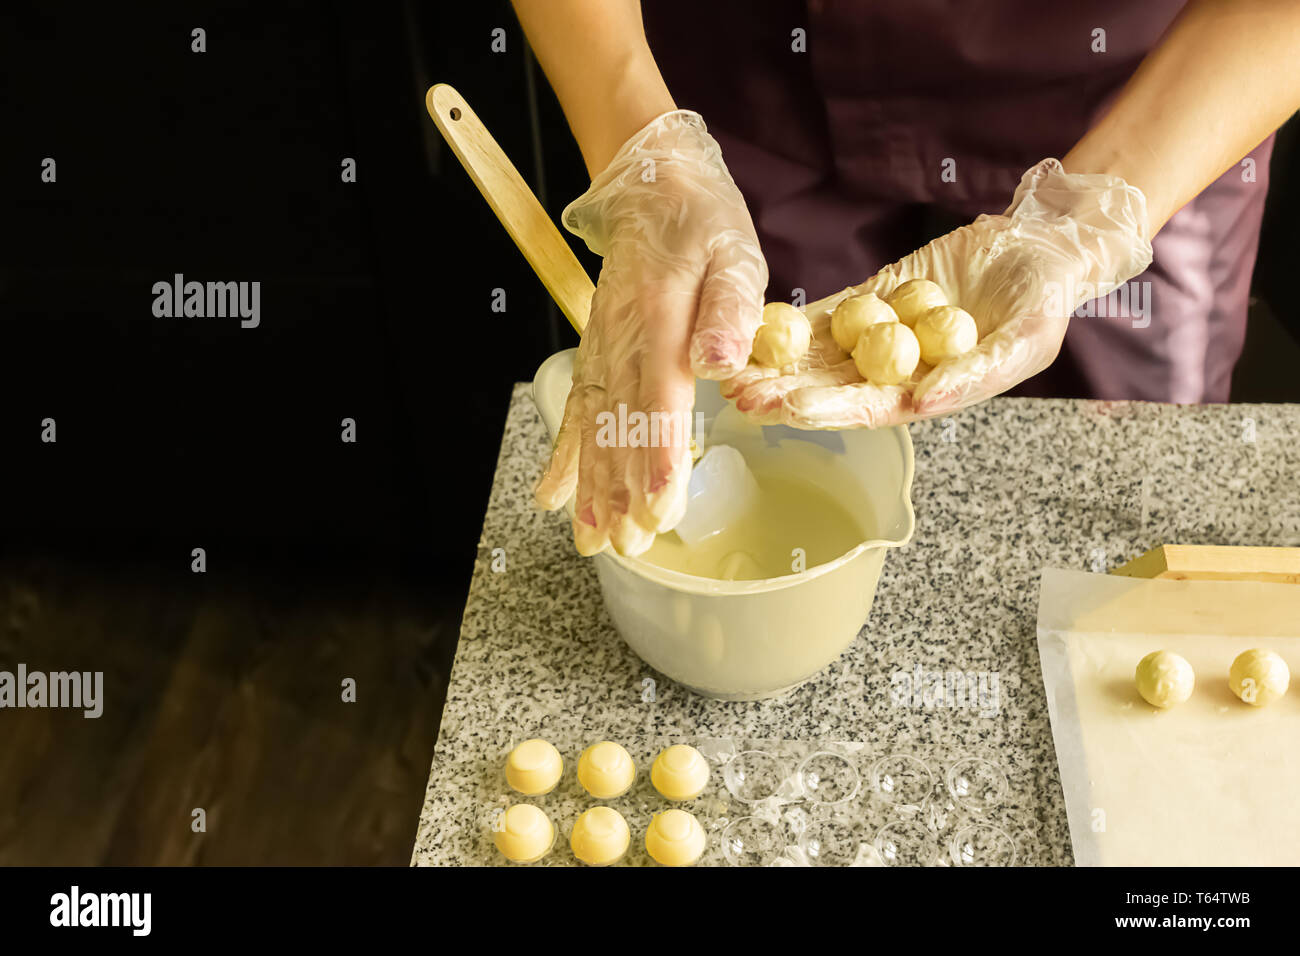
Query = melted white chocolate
x=789 y=515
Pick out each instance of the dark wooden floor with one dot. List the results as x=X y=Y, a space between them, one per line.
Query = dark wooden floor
x=223 y=693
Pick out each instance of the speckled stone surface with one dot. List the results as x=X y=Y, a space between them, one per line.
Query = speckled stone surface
x=1001 y=491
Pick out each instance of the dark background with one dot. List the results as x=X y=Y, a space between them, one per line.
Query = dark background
x=325 y=560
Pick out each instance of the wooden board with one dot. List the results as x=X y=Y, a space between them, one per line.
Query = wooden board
x=1183 y=562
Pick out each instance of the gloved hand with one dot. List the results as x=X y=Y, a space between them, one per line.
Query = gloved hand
x=680 y=295
x=1066 y=238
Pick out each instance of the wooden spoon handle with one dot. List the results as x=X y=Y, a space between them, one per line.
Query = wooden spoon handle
x=513 y=202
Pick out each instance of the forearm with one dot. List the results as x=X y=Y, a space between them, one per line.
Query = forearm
x=1221 y=79
x=594 y=53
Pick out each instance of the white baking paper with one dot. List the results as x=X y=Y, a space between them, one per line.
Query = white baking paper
x=1212 y=781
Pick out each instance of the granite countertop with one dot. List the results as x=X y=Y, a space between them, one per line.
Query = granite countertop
x=1002 y=491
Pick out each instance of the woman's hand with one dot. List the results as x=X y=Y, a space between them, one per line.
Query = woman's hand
x=680 y=295
x=1066 y=238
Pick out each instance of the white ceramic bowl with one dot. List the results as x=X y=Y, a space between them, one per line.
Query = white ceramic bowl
x=744 y=640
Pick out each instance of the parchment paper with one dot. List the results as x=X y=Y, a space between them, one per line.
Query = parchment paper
x=1212 y=781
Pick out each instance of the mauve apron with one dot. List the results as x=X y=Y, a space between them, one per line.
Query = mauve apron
x=839 y=152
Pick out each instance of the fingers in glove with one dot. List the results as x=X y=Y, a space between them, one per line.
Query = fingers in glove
x=753 y=389
x=591 y=507
x=661 y=509
x=626 y=534
x=633 y=532
x=666 y=389
x=560 y=479
x=1019 y=348
x=860 y=405
x=730 y=309
x=762 y=397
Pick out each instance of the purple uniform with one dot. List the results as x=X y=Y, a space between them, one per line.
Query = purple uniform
x=840 y=151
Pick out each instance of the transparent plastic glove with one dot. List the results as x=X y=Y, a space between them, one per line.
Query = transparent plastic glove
x=680 y=295
x=1066 y=238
